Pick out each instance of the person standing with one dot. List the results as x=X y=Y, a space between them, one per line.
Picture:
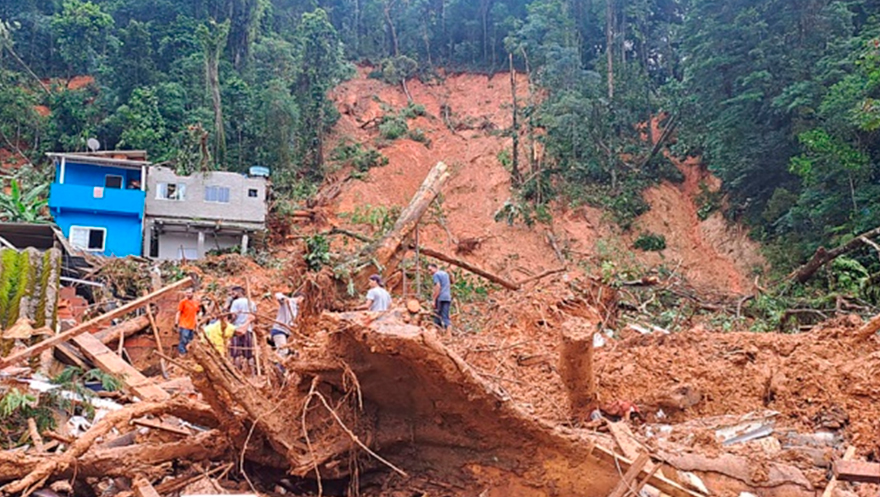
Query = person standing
x=218 y=332
x=285 y=321
x=242 y=346
x=442 y=296
x=185 y=320
x=378 y=298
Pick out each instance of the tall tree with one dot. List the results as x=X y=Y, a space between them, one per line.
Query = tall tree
x=213 y=37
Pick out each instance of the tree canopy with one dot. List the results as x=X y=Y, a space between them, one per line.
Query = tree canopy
x=779 y=97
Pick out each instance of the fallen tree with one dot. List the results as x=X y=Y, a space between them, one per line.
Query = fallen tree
x=823 y=256
x=383 y=394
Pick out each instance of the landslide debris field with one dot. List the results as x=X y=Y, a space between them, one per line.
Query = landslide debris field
x=555 y=380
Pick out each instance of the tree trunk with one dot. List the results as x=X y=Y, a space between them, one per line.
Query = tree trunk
x=823 y=256
x=609 y=46
x=469 y=267
x=387 y=253
x=391 y=29
x=515 y=175
x=576 y=367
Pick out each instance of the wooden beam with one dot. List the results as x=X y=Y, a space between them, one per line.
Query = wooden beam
x=626 y=482
x=132 y=379
x=498 y=280
x=659 y=482
x=84 y=327
x=157 y=425
x=848 y=455
x=857 y=471
x=127 y=328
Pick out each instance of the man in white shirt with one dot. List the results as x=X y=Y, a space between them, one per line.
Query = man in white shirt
x=288 y=308
x=378 y=298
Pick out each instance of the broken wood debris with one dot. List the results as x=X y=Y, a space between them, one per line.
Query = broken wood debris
x=84 y=327
x=857 y=471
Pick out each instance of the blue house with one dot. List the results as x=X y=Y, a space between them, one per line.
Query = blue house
x=97 y=200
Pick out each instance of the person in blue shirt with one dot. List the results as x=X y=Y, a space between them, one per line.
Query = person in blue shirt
x=441 y=295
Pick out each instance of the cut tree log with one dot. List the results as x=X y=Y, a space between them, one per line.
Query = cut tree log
x=126 y=329
x=576 y=367
x=498 y=280
x=823 y=256
x=84 y=327
x=386 y=254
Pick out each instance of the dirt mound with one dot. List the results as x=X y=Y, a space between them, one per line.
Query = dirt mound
x=465 y=113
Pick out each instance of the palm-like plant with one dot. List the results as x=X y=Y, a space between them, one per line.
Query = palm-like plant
x=27 y=207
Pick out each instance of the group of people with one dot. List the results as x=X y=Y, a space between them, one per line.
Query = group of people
x=231 y=329
x=378 y=299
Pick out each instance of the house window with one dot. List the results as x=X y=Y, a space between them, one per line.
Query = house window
x=88 y=238
x=253 y=193
x=217 y=194
x=113 y=181
x=170 y=191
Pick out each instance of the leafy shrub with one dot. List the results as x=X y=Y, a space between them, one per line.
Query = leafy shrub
x=393 y=127
x=413 y=110
x=707 y=202
x=355 y=155
x=317 y=252
x=419 y=135
x=650 y=242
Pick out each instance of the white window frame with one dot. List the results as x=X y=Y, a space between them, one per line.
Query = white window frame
x=162 y=191
x=121 y=181
x=89 y=228
x=218 y=189
x=255 y=190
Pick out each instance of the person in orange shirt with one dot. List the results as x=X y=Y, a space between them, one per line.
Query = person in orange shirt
x=185 y=320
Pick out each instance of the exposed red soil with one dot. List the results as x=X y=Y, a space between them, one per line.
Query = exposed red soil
x=712 y=254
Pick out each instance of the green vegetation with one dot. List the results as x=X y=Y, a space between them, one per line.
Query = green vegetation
x=349 y=153
x=650 y=242
x=317 y=254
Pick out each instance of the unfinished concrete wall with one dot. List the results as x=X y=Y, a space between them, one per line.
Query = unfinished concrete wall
x=170 y=244
x=246 y=201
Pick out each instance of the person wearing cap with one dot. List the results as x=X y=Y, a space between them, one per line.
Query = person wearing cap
x=284 y=321
x=378 y=298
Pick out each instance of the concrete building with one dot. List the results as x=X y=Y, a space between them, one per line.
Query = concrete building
x=97 y=199
x=187 y=216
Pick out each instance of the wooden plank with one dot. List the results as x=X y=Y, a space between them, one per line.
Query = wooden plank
x=857 y=471
x=157 y=425
x=84 y=327
x=626 y=482
x=848 y=455
x=659 y=482
x=143 y=488
x=132 y=379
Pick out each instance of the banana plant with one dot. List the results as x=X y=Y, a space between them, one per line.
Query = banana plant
x=27 y=207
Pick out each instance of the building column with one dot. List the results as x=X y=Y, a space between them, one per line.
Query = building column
x=147 y=231
x=201 y=246
x=244 y=243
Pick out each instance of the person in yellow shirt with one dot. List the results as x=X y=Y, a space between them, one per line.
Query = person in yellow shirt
x=219 y=332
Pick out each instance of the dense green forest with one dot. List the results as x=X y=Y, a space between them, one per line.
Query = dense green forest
x=776 y=95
